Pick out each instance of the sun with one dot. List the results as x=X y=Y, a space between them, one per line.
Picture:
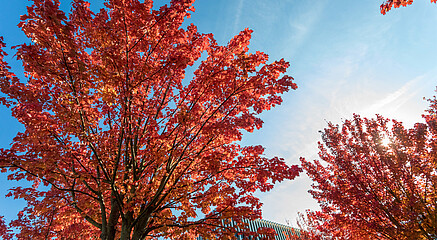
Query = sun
x=385 y=141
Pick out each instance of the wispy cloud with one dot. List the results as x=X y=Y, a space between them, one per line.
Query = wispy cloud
x=238 y=16
x=301 y=23
x=393 y=101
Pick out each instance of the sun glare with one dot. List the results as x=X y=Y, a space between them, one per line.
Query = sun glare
x=385 y=141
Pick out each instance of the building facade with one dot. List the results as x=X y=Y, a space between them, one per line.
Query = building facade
x=283 y=232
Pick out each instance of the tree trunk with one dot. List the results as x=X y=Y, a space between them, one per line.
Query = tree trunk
x=126 y=226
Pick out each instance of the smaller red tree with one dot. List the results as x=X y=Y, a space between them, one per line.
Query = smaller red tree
x=371 y=188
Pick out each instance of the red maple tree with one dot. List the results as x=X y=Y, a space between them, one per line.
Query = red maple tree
x=128 y=145
x=388 y=4
x=376 y=180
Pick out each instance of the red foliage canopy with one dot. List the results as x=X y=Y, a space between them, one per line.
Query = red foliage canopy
x=126 y=144
x=376 y=180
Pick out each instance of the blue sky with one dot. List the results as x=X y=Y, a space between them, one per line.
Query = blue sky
x=345 y=56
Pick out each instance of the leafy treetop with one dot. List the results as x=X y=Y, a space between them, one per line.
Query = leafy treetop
x=376 y=180
x=128 y=145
